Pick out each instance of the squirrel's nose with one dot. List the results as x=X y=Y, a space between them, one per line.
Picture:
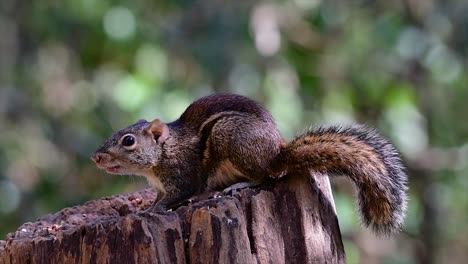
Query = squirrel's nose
x=97 y=157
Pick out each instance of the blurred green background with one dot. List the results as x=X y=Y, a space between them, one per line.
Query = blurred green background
x=73 y=71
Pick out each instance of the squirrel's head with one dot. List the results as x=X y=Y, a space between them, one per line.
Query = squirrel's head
x=132 y=150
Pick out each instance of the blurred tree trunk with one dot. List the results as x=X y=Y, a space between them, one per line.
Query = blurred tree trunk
x=288 y=221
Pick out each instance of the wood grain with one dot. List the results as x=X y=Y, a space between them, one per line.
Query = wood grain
x=291 y=220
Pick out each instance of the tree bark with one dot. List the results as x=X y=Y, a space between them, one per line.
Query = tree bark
x=291 y=220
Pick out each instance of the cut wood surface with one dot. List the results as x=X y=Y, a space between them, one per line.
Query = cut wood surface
x=292 y=220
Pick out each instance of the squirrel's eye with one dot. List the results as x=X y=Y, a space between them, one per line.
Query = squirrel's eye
x=128 y=141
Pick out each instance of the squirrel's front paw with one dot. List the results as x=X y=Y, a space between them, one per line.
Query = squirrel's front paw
x=235 y=188
x=144 y=213
x=154 y=208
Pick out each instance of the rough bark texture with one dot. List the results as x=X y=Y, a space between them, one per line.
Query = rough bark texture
x=292 y=220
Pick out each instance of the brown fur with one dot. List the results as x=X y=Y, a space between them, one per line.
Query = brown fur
x=224 y=139
x=367 y=159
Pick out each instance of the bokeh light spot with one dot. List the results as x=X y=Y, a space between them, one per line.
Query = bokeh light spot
x=264 y=25
x=9 y=197
x=130 y=93
x=119 y=23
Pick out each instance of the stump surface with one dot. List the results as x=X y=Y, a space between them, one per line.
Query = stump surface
x=292 y=220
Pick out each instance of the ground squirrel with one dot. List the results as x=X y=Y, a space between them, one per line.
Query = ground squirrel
x=224 y=139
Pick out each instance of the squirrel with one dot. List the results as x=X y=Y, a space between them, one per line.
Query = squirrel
x=223 y=139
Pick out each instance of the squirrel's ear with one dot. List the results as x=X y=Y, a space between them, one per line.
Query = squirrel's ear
x=158 y=131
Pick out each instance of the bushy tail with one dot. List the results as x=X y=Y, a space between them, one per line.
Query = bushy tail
x=361 y=154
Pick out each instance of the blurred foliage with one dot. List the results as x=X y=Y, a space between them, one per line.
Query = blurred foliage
x=71 y=72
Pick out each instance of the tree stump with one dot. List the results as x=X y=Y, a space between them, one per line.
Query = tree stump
x=291 y=220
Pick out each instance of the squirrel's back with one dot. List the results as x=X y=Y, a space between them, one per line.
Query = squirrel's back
x=211 y=106
x=238 y=138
